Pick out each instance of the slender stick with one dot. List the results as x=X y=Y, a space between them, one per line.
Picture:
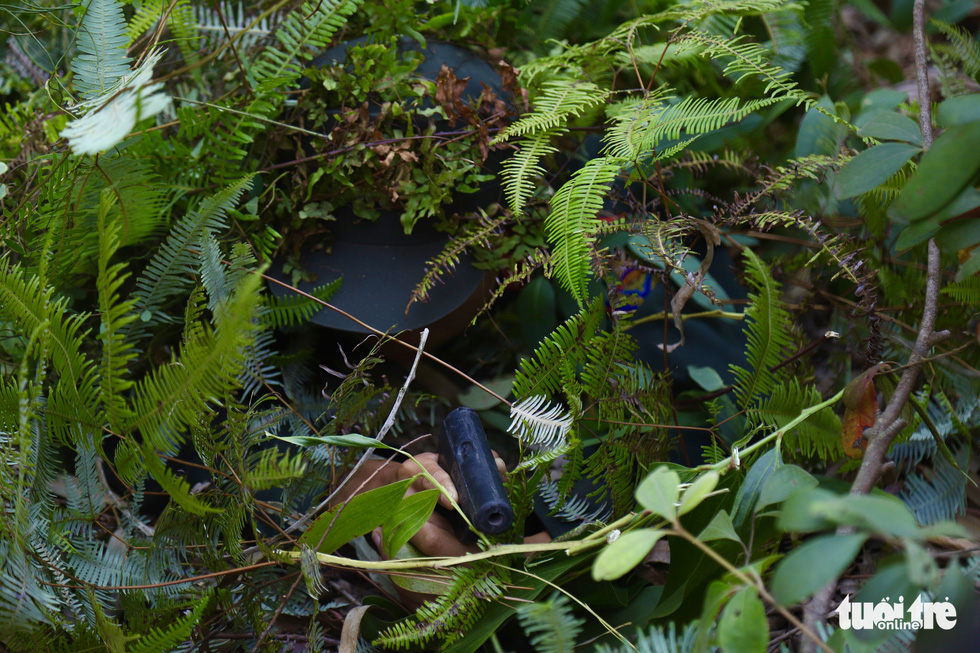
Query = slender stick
x=922 y=72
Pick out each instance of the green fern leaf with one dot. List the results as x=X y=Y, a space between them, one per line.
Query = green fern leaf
x=170 y=271
x=550 y=625
x=572 y=222
x=818 y=437
x=101 y=60
x=520 y=169
x=768 y=332
x=167 y=639
x=559 y=100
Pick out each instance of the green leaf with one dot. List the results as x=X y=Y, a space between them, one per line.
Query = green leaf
x=743 y=627
x=800 y=511
x=479 y=399
x=625 y=553
x=413 y=511
x=873 y=167
x=362 y=514
x=916 y=233
x=748 y=494
x=659 y=491
x=719 y=528
x=889 y=126
x=959 y=110
x=706 y=377
x=350 y=440
x=783 y=482
x=814 y=564
x=879 y=513
x=944 y=172
x=697 y=491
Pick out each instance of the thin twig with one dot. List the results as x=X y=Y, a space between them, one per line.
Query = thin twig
x=388 y=423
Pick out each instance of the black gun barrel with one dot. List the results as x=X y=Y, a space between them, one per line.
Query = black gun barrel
x=465 y=453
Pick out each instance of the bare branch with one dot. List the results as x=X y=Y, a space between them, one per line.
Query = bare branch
x=922 y=72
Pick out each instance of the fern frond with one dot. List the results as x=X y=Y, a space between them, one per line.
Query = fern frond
x=245 y=30
x=768 y=332
x=302 y=34
x=520 y=169
x=543 y=373
x=101 y=60
x=117 y=352
x=538 y=423
x=550 y=625
x=111 y=116
x=638 y=131
x=167 y=639
x=173 y=396
x=451 y=614
x=170 y=271
x=962 y=45
x=559 y=100
x=572 y=222
x=818 y=437
x=292 y=310
x=474 y=236
x=663 y=639
x=938 y=496
x=966 y=290
x=571 y=508
x=24 y=303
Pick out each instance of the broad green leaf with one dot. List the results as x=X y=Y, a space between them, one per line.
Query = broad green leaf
x=873 y=167
x=625 y=553
x=944 y=172
x=659 y=491
x=743 y=627
x=920 y=564
x=719 y=528
x=818 y=133
x=537 y=310
x=706 y=377
x=879 y=513
x=714 y=600
x=748 y=494
x=479 y=399
x=960 y=110
x=412 y=513
x=434 y=581
x=954 y=234
x=349 y=440
x=783 y=482
x=918 y=232
x=803 y=511
x=813 y=564
x=890 y=126
x=697 y=491
x=959 y=234
x=362 y=514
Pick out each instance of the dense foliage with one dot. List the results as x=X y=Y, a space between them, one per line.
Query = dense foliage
x=736 y=267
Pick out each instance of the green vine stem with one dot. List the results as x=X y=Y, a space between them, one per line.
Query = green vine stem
x=732 y=462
